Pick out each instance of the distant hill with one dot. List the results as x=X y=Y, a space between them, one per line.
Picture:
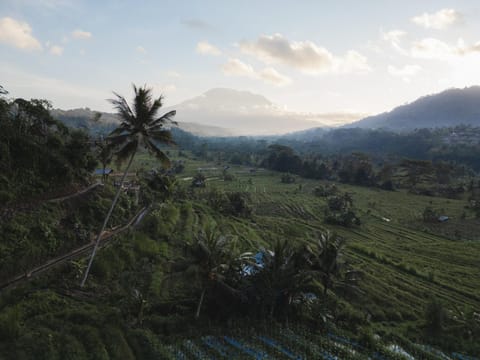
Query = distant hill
x=246 y=113
x=446 y=109
x=220 y=112
x=103 y=123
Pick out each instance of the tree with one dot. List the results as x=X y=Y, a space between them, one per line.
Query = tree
x=324 y=254
x=140 y=127
x=209 y=261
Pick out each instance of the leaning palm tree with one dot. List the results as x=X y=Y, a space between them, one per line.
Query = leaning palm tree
x=140 y=127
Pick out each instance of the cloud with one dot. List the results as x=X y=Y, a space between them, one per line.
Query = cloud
x=431 y=48
x=438 y=20
x=352 y=62
x=235 y=67
x=394 y=38
x=273 y=76
x=205 y=48
x=141 y=49
x=305 y=56
x=405 y=73
x=56 y=50
x=82 y=35
x=197 y=24
x=18 y=34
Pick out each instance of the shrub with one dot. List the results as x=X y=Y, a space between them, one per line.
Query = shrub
x=288 y=178
x=435 y=317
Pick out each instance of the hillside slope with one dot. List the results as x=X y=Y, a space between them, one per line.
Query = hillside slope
x=446 y=109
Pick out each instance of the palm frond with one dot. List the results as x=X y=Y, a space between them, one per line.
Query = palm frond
x=117 y=140
x=162 y=136
x=156 y=105
x=127 y=150
x=123 y=109
x=165 y=119
x=159 y=154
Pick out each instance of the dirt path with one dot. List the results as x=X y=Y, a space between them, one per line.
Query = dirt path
x=106 y=236
x=78 y=193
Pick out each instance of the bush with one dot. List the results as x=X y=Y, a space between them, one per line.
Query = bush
x=288 y=179
x=435 y=317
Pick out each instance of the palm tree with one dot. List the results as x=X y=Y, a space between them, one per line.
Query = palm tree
x=281 y=277
x=211 y=261
x=324 y=254
x=140 y=127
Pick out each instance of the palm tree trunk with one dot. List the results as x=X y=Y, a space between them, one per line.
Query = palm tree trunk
x=97 y=241
x=200 y=302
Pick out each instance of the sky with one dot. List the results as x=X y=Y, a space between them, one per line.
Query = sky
x=309 y=56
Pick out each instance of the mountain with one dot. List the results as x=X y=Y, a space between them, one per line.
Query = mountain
x=104 y=123
x=220 y=112
x=246 y=113
x=446 y=109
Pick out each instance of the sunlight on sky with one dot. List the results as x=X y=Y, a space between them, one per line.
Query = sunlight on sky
x=306 y=56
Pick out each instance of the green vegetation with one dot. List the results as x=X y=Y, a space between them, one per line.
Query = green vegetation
x=242 y=266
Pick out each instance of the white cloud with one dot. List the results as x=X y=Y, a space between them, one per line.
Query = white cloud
x=438 y=20
x=393 y=35
x=405 y=73
x=81 y=34
x=394 y=38
x=431 y=48
x=305 y=56
x=18 y=34
x=141 y=50
x=56 y=50
x=205 y=48
x=352 y=62
x=273 y=76
x=235 y=67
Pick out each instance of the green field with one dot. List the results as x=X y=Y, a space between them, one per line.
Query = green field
x=405 y=263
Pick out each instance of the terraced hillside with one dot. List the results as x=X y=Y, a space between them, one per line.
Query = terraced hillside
x=405 y=263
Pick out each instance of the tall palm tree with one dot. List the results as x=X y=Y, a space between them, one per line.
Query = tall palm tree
x=140 y=127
